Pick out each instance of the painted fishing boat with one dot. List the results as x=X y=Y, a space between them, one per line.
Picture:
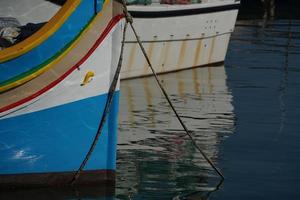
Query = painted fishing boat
x=177 y=36
x=53 y=89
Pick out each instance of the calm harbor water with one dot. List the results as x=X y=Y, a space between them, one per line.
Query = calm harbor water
x=244 y=115
x=155 y=159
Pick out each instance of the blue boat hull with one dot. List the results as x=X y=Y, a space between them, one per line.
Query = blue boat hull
x=56 y=140
x=50 y=113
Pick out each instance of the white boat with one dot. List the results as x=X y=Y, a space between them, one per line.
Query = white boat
x=178 y=37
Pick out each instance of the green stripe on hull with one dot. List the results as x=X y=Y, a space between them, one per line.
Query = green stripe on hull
x=44 y=64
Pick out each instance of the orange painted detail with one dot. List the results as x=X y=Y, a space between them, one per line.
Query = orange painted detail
x=149 y=53
x=211 y=52
x=132 y=56
x=181 y=56
x=197 y=53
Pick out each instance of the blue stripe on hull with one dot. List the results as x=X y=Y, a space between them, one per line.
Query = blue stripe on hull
x=57 y=139
x=54 y=44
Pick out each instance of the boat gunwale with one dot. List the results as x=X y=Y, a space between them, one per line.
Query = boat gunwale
x=7 y=108
x=41 y=35
x=141 y=11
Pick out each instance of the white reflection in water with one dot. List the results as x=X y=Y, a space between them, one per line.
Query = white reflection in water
x=200 y=95
x=152 y=144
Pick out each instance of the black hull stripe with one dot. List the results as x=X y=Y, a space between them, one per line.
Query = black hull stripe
x=56 y=179
x=186 y=12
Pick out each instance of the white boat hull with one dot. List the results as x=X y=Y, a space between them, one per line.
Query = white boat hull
x=173 y=42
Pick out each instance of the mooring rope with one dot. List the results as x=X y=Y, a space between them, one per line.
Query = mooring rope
x=110 y=96
x=130 y=21
x=111 y=92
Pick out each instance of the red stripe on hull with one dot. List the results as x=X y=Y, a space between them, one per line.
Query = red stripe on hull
x=108 y=28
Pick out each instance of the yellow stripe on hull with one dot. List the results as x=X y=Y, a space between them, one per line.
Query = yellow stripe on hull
x=55 y=61
x=43 y=34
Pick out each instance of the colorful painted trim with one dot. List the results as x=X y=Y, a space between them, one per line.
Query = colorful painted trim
x=31 y=74
x=54 y=44
x=43 y=34
x=98 y=5
x=36 y=71
x=109 y=27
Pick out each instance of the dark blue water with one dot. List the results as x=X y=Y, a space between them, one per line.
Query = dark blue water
x=244 y=115
x=261 y=160
x=155 y=158
x=246 y=118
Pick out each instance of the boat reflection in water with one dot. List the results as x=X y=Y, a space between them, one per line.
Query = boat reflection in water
x=154 y=155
